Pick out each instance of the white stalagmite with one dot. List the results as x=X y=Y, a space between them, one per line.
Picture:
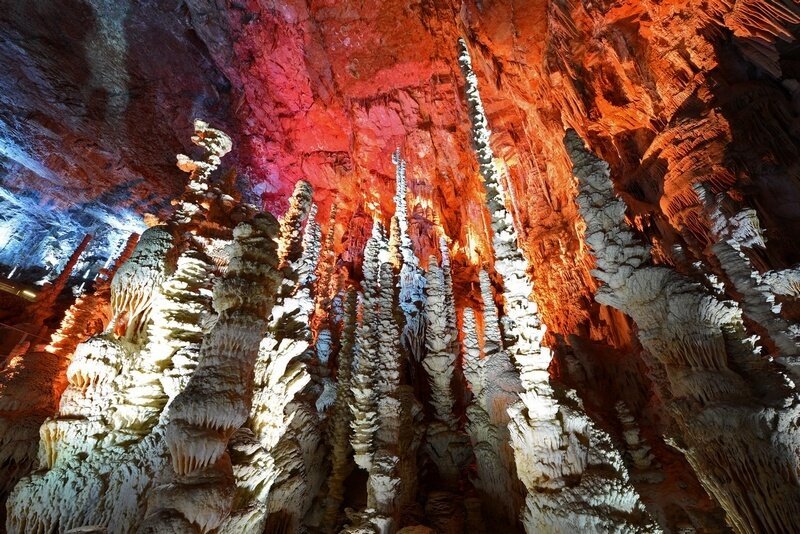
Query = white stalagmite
x=279 y=376
x=340 y=421
x=216 y=144
x=365 y=403
x=291 y=242
x=218 y=397
x=82 y=448
x=449 y=299
x=737 y=413
x=31 y=383
x=108 y=437
x=383 y=485
x=136 y=283
x=732 y=234
x=440 y=358
x=495 y=386
x=389 y=358
x=555 y=444
x=272 y=454
x=170 y=357
x=446 y=447
x=312 y=245
x=784 y=282
x=284 y=418
x=412 y=278
x=640 y=455
x=304 y=298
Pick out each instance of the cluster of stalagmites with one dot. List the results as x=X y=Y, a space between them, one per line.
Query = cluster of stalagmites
x=737 y=412
x=208 y=403
x=238 y=383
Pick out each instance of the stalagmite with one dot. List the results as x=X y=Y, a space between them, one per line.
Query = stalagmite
x=733 y=233
x=364 y=407
x=384 y=478
x=43 y=308
x=32 y=383
x=135 y=285
x=109 y=432
x=218 y=397
x=785 y=282
x=555 y=444
x=495 y=385
x=412 y=279
x=449 y=300
x=326 y=275
x=737 y=413
x=280 y=375
x=299 y=452
x=291 y=231
x=215 y=144
x=440 y=358
x=447 y=447
x=638 y=450
x=340 y=421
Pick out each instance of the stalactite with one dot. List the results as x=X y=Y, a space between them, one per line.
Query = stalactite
x=735 y=411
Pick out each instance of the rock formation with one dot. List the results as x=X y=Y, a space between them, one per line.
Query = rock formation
x=554 y=442
x=736 y=411
x=412 y=343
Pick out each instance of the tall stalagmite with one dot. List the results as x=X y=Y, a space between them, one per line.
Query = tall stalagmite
x=737 y=413
x=554 y=442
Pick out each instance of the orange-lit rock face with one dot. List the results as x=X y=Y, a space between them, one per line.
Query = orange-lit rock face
x=329 y=89
x=669 y=93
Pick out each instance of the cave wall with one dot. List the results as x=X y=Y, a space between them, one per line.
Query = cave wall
x=98 y=96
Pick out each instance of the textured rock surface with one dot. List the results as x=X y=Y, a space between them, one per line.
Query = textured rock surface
x=671 y=95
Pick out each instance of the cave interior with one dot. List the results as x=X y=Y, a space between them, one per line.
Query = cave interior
x=400 y=266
